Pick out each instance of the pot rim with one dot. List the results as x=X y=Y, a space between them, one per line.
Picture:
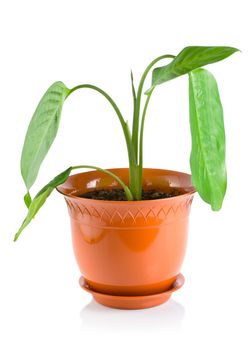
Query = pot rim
x=190 y=190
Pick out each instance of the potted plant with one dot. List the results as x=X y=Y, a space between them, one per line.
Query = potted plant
x=129 y=226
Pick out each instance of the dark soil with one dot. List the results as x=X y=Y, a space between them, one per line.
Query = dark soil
x=119 y=194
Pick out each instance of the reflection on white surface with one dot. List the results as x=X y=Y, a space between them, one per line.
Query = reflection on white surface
x=168 y=316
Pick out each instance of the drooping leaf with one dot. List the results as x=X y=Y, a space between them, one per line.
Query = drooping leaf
x=42 y=131
x=207 y=158
x=188 y=59
x=41 y=197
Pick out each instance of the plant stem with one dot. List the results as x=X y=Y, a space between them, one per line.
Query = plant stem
x=135 y=130
x=141 y=141
x=126 y=189
x=133 y=88
x=125 y=128
x=142 y=127
x=134 y=180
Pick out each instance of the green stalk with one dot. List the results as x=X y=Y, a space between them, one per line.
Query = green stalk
x=137 y=176
x=126 y=189
x=134 y=181
x=125 y=128
x=135 y=131
x=141 y=141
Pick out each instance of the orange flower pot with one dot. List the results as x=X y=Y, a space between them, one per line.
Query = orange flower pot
x=129 y=253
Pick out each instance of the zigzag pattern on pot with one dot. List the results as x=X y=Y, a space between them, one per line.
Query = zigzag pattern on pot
x=128 y=215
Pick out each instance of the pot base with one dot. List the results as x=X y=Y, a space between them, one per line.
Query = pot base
x=133 y=302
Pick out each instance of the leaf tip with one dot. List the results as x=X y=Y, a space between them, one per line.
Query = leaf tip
x=147 y=92
x=27 y=199
x=16 y=237
x=215 y=209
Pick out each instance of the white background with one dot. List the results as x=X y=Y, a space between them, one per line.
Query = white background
x=41 y=304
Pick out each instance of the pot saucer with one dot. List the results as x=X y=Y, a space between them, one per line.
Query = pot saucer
x=133 y=302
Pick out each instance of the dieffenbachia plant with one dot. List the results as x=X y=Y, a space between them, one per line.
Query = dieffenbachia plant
x=207 y=158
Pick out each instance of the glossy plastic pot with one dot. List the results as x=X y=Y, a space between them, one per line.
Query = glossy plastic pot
x=129 y=248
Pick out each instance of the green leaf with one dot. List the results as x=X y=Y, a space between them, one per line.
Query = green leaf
x=188 y=59
x=41 y=197
x=27 y=199
x=207 y=158
x=42 y=131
